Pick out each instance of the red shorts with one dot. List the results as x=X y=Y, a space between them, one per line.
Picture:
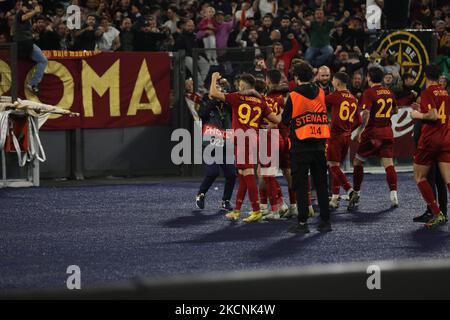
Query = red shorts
x=337 y=148
x=246 y=156
x=285 y=153
x=380 y=148
x=428 y=157
x=271 y=150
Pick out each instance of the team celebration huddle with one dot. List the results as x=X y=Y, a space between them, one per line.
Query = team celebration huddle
x=314 y=129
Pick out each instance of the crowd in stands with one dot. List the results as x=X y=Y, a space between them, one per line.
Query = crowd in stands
x=324 y=32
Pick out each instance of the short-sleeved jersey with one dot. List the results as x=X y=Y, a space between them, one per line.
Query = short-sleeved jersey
x=344 y=112
x=247 y=111
x=275 y=104
x=434 y=132
x=381 y=103
x=284 y=129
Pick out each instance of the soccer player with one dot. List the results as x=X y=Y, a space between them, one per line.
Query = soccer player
x=247 y=113
x=344 y=111
x=269 y=186
x=375 y=134
x=434 y=142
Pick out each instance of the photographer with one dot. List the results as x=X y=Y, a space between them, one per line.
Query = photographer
x=216 y=118
x=23 y=35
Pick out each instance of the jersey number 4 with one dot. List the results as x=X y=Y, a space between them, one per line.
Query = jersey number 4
x=441 y=112
x=245 y=113
x=345 y=113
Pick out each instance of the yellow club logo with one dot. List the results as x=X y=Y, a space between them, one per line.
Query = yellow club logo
x=409 y=51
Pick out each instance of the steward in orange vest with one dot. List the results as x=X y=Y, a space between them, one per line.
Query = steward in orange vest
x=306 y=115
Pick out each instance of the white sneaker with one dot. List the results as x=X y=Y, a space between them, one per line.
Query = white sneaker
x=274 y=215
x=394 y=199
x=311 y=212
x=264 y=208
x=284 y=209
x=334 y=202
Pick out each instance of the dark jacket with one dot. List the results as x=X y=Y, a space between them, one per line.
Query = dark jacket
x=310 y=91
x=186 y=41
x=215 y=113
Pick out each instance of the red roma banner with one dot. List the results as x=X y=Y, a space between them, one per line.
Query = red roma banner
x=109 y=90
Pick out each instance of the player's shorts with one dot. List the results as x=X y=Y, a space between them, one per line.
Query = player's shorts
x=380 y=148
x=246 y=153
x=272 y=151
x=337 y=148
x=428 y=157
x=285 y=153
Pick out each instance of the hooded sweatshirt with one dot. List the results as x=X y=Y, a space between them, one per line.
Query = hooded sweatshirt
x=310 y=91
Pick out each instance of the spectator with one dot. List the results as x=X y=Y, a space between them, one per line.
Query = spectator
x=60 y=14
x=343 y=63
x=126 y=35
x=65 y=40
x=285 y=30
x=85 y=39
x=340 y=39
x=267 y=7
x=265 y=30
x=26 y=48
x=443 y=39
x=281 y=59
x=323 y=79
x=208 y=26
x=222 y=30
x=46 y=38
x=148 y=36
x=187 y=41
x=392 y=67
x=356 y=86
x=108 y=36
x=172 y=18
x=388 y=80
x=320 y=50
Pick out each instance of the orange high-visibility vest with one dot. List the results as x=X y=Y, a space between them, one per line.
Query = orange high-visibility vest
x=309 y=117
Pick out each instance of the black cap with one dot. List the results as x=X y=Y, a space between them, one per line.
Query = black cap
x=219 y=12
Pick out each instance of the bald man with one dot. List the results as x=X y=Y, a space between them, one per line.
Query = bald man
x=323 y=79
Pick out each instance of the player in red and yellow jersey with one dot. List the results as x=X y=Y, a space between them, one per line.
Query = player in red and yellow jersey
x=269 y=187
x=344 y=111
x=434 y=142
x=375 y=134
x=247 y=114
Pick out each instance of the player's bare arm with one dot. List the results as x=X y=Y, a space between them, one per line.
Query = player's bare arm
x=365 y=119
x=27 y=16
x=213 y=91
x=431 y=115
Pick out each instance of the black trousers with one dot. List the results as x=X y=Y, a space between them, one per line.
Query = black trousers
x=302 y=163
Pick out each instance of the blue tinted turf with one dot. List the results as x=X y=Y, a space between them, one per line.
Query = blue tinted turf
x=117 y=233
